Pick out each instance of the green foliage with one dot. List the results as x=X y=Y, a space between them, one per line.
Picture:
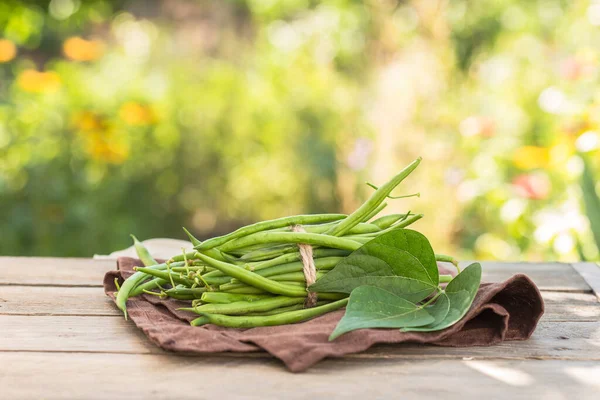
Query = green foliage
x=455 y=301
x=380 y=298
x=373 y=307
x=591 y=200
x=216 y=114
x=401 y=262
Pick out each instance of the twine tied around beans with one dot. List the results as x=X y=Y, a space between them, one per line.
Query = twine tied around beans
x=309 y=269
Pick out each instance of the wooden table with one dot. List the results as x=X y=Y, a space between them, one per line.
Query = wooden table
x=61 y=337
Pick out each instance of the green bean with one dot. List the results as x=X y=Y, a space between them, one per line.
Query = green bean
x=194 y=293
x=253 y=279
x=372 y=213
x=294 y=277
x=186 y=293
x=239 y=285
x=199 y=321
x=195 y=242
x=192 y=268
x=151 y=284
x=403 y=224
x=293 y=237
x=223 y=298
x=130 y=283
x=260 y=253
x=271 y=320
x=285 y=309
x=286 y=258
x=388 y=220
x=143 y=253
x=450 y=259
x=373 y=202
x=267 y=253
x=191 y=255
x=325 y=263
x=271 y=224
x=400 y=225
x=246 y=290
x=361 y=239
x=243 y=307
x=357 y=230
x=216 y=280
x=165 y=275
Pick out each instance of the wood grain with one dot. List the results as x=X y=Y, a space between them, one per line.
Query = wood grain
x=550 y=276
x=552 y=340
x=52 y=300
x=53 y=271
x=590 y=272
x=121 y=376
x=47 y=300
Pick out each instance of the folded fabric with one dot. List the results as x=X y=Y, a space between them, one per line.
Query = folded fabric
x=509 y=310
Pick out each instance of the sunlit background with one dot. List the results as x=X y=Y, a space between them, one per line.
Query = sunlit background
x=121 y=117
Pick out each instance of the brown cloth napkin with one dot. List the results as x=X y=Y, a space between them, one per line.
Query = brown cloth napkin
x=501 y=311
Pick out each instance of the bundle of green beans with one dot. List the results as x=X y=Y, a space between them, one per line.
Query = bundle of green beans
x=254 y=276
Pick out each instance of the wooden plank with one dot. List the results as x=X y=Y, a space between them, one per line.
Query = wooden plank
x=72 y=333
x=552 y=340
x=53 y=271
x=48 y=300
x=121 y=376
x=547 y=276
x=569 y=306
x=52 y=300
x=590 y=272
x=88 y=272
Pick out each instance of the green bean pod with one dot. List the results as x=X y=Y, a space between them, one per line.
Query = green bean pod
x=143 y=253
x=151 y=284
x=131 y=282
x=224 y=298
x=290 y=317
x=374 y=201
x=243 y=307
x=388 y=220
x=253 y=279
x=313 y=239
x=373 y=213
x=271 y=224
x=165 y=276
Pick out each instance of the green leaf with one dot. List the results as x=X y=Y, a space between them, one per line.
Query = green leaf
x=400 y=261
x=373 y=307
x=460 y=293
x=590 y=199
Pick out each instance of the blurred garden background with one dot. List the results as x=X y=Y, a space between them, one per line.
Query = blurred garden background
x=136 y=116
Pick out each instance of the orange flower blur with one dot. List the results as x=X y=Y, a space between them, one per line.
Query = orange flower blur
x=8 y=50
x=34 y=81
x=78 y=49
x=89 y=121
x=137 y=114
x=105 y=147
